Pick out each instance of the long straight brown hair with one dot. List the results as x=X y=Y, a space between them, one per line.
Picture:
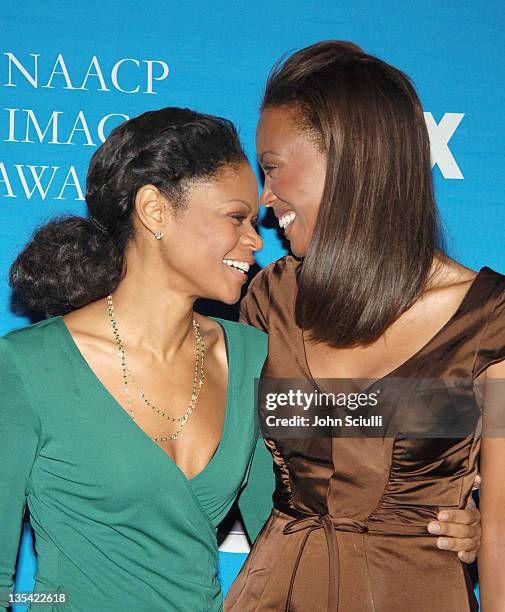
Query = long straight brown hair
x=376 y=232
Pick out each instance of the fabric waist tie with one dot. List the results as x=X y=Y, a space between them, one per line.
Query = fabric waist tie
x=311 y=522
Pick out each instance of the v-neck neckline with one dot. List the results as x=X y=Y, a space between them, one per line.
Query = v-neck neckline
x=71 y=343
x=469 y=292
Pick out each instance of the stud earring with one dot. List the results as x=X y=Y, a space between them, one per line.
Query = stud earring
x=158 y=235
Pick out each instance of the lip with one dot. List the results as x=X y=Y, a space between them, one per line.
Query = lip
x=241 y=276
x=281 y=212
x=249 y=260
x=287 y=231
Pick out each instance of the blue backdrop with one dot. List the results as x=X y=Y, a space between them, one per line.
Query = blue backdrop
x=70 y=72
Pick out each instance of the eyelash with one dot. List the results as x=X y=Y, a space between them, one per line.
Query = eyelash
x=239 y=217
x=267 y=169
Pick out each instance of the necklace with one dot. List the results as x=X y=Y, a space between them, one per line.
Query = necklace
x=128 y=375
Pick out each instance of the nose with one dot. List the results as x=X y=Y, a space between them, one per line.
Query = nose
x=252 y=239
x=267 y=196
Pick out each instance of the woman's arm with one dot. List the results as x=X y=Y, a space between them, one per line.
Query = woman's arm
x=254 y=305
x=492 y=496
x=255 y=500
x=19 y=435
x=459 y=530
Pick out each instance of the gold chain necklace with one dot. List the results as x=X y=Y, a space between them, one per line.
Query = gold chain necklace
x=127 y=374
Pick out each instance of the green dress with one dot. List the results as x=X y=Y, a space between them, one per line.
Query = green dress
x=118 y=527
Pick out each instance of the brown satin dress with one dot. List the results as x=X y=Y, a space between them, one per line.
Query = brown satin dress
x=348 y=529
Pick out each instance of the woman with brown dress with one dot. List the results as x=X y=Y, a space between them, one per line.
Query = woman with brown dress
x=369 y=295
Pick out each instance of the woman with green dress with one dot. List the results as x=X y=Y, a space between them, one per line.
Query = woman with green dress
x=127 y=421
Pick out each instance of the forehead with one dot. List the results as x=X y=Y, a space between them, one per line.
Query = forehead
x=278 y=131
x=276 y=120
x=232 y=183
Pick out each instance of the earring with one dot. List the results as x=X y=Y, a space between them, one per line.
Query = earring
x=158 y=235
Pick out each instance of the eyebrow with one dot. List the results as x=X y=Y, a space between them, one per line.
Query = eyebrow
x=265 y=153
x=239 y=200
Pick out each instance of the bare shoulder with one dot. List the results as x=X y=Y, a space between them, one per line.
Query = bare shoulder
x=90 y=322
x=448 y=274
x=448 y=283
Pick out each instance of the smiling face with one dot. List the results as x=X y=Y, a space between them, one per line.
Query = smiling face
x=295 y=170
x=210 y=245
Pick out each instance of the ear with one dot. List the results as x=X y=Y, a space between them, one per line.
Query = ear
x=151 y=208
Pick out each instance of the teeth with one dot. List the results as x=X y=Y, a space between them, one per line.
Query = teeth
x=286 y=219
x=243 y=266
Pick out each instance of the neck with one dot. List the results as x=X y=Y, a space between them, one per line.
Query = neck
x=152 y=316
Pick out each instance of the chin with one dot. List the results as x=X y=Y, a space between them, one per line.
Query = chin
x=297 y=250
x=229 y=300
